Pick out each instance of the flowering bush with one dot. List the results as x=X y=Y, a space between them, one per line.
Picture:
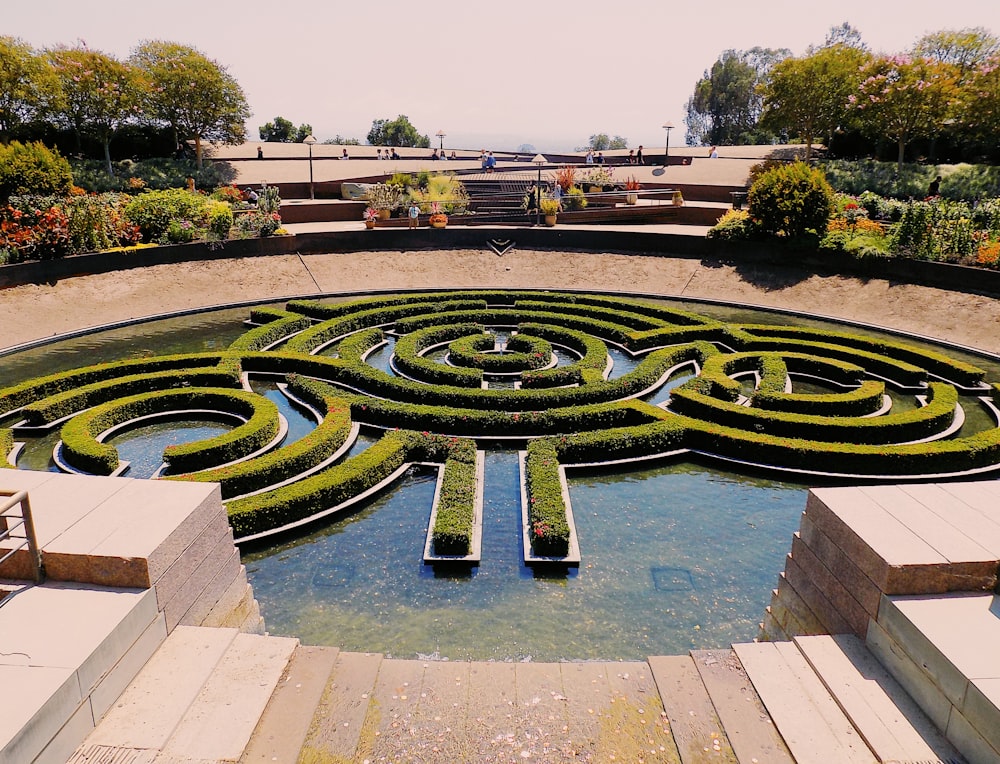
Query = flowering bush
x=40 y=234
x=599 y=176
x=371 y=214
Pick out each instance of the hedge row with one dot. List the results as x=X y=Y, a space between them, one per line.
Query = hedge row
x=548 y=527
x=453 y=526
x=82 y=450
x=63 y=404
x=480 y=422
x=287 y=462
x=16 y=396
x=522 y=352
x=354 y=346
x=6 y=444
x=936 y=363
x=866 y=399
x=589 y=368
x=275 y=325
x=918 y=423
x=323 y=490
x=410 y=362
x=328 y=330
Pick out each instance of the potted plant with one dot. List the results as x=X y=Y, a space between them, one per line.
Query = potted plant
x=631 y=186
x=437 y=219
x=384 y=198
x=549 y=209
x=678 y=199
x=371 y=215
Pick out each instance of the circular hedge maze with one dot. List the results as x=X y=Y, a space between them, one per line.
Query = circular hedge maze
x=532 y=367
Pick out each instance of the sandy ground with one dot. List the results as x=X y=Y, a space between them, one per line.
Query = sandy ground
x=37 y=311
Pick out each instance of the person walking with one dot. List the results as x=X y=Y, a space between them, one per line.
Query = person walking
x=638 y=156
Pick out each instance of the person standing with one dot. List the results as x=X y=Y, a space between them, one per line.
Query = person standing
x=638 y=156
x=260 y=152
x=491 y=162
x=589 y=159
x=413 y=213
x=344 y=155
x=714 y=153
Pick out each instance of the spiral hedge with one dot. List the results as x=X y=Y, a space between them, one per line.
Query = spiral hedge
x=482 y=364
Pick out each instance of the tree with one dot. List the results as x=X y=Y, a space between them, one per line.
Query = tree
x=283 y=131
x=192 y=94
x=844 y=34
x=903 y=98
x=97 y=94
x=726 y=105
x=340 y=140
x=979 y=107
x=28 y=86
x=397 y=132
x=601 y=142
x=965 y=49
x=807 y=96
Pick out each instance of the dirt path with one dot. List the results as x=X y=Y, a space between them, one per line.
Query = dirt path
x=36 y=311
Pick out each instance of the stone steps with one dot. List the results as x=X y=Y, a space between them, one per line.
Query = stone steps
x=67 y=651
x=943 y=651
x=199 y=698
x=832 y=700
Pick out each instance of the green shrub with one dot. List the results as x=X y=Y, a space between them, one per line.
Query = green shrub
x=791 y=200
x=6 y=444
x=575 y=199
x=159 y=173
x=883 y=178
x=219 y=219
x=734 y=225
x=33 y=169
x=154 y=211
x=548 y=526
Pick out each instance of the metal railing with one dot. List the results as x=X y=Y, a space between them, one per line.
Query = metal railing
x=11 y=522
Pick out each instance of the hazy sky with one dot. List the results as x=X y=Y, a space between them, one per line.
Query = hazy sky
x=492 y=75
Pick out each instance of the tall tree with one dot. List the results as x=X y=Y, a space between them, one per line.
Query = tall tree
x=396 y=132
x=726 y=105
x=28 y=86
x=903 y=98
x=807 y=96
x=965 y=49
x=979 y=100
x=97 y=94
x=282 y=130
x=191 y=93
x=603 y=142
x=844 y=34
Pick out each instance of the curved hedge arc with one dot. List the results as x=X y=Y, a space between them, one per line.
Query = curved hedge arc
x=572 y=413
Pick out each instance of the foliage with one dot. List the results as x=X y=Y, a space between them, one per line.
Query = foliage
x=282 y=130
x=549 y=206
x=98 y=93
x=598 y=176
x=396 y=132
x=903 y=98
x=28 y=85
x=566 y=177
x=191 y=93
x=979 y=105
x=32 y=169
x=548 y=527
x=726 y=106
x=269 y=199
x=806 y=97
x=158 y=173
x=33 y=234
x=445 y=190
x=601 y=142
x=384 y=196
x=965 y=49
x=574 y=199
x=734 y=225
x=154 y=212
x=791 y=200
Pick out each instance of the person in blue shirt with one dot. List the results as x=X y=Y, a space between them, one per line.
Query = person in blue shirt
x=491 y=162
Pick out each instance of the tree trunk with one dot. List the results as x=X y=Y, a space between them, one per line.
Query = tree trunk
x=197 y=150
x=902 y=151
x=107 y=156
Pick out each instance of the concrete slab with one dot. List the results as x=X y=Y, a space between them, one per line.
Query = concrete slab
x=840 y=565
x=285 y=723
x=748 y=727
x=795 y=605
x=968 y=740
x=890 y=722
x=36 y=701
x=840 y=597
x=443 y=728
x=220 y=721
x=114 y=683
x=971 y=508
x=814 y=597
x=150 y=709
x=982 y=701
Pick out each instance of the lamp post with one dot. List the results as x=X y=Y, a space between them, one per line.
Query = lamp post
x=539 y=160
x=309 y=140
x=668 y=126
x=441 y=134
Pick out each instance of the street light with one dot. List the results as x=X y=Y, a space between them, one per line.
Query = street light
x=441 y=134
x=309 y=140
x=668 y=126
x=539 y=160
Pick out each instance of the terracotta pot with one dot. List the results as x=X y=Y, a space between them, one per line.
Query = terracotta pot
x=550 y=220
x=383 y=214
x=438 y=223
x=631 y=198
x=369 y=224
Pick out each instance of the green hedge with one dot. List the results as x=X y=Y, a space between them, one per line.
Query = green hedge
x=63 y=404
x=410 y=362
x=324 y=490
x=22 y=394
x=82 y=450
x=866 y=399
x=522 y=352
x=6 y=444
x=275 y=325
x=589 y=368
x=453 y=525
x=287 y=462
x=548 y=527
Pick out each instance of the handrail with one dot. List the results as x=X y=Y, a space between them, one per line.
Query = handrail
x=11 y=522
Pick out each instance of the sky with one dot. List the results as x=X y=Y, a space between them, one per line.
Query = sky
x=488 y=75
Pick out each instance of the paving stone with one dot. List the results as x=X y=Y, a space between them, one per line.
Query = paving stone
x=745 y=721
x=968 y=740
x=184 y=566
x=696 y=727
x=282 y=729
x=336 y=725
x=982 y=708
x=817 y=601
x=444 y=730
x=118 y=678
x=972 y=508
x=833 y=557
x=833 y=588
x=795 y=605
x=36 y=701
